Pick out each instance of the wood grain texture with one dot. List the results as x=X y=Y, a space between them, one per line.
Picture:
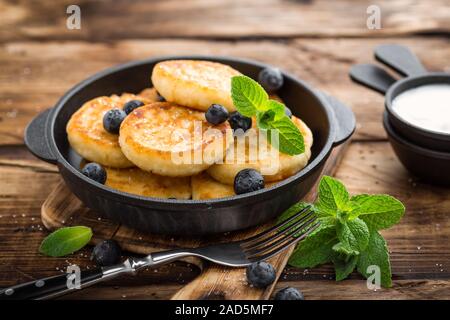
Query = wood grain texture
x=319 y=289
x=111 y=19
x=357 y=290
x=138 y=291
x=44 y=71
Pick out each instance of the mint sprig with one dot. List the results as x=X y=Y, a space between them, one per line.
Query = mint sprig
x=65 y=241
x=251 y=100
x=348 y=234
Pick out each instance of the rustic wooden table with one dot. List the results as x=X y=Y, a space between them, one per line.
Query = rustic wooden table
x=316 y=40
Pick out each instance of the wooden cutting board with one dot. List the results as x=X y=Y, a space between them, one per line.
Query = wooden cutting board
x=62 y=208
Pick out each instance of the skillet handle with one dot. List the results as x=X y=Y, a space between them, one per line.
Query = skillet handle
x=371 y=76
x=400 y=58
x=36 y=137
x=345 y=122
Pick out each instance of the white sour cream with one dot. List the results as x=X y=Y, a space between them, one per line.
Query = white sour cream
x=427 y=107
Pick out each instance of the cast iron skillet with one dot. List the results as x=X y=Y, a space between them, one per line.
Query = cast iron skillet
x=406 y=63
x=331 y=122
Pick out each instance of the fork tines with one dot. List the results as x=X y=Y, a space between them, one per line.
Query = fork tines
x=281 y=236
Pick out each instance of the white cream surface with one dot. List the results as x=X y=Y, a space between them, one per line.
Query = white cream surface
x=427 y=107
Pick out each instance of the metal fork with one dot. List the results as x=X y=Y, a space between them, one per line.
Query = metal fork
x=234 y=254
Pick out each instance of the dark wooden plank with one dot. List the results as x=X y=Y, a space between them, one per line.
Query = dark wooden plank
x=34 y=75
x=113 y=19
x=142 y=291
x=312 y=290
x=357 y=290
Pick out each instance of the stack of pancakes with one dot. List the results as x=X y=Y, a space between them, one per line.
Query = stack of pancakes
x=141 y=158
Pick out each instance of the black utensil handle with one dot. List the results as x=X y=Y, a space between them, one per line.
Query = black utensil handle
x=36 y=137
x=49 y=287
x=372 y=76
x=399 y=58
x=344 y=118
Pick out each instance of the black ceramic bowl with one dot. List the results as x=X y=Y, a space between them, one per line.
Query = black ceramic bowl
x=430 y=165
x=330 y=121
x=424 y=137
x=405 y=62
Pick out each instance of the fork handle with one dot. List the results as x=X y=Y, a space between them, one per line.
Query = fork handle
x=59 y=285
x=163 y=257
x=49 y=287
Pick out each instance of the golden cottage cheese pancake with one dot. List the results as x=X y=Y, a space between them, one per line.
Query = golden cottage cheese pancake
x=194 y=83
x=150 y=94
x=272 y=164
x=88 y=137
x=204 y=187
x=171 y=140
x=139 y=182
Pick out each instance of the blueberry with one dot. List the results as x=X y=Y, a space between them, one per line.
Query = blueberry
x=288 y=112
x=131 y=105
x=160 y=97
x=95 y=172
x=216 y=114
x=260 y=274
x=289 y=293
x=112 y=120
x=271 y=79
x=248 y=180
x=106 y=253
x=238 y=121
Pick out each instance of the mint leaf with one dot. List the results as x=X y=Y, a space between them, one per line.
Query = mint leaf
x=376 y=254
x=248 y=96
x=277 y=107
x=290 y=140
x=378 y=211
x=315 y=249
x=343 y=265
x=65 y=241
x=333 y=196
x=274 y=110
x=264 y=119
x=353 y=236
x=344 y=249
